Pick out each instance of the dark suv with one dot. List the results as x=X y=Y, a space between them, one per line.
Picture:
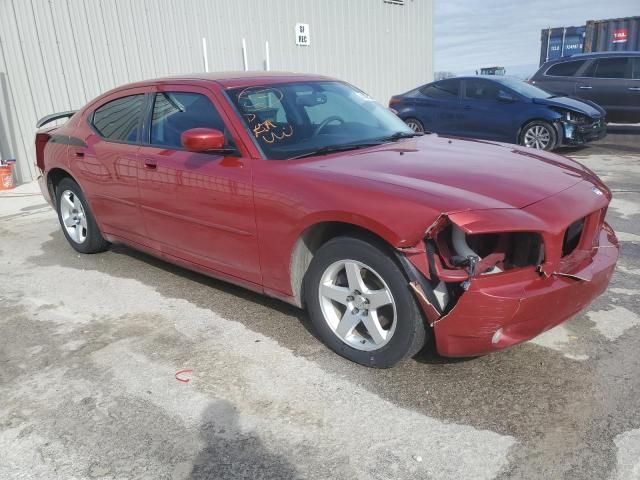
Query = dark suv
x=610 y=79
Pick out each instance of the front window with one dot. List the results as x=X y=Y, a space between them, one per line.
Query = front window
x=176 y=112
x=614 y=67
x=296 y=119
x=479 y=89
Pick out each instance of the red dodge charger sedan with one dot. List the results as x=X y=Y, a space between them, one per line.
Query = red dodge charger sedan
x=303 y=188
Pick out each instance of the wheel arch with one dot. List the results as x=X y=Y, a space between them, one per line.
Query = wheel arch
x=54 y=177
x=312 y=239
x=550 y=119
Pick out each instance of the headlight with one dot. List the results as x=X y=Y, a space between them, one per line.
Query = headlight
x=573 y=117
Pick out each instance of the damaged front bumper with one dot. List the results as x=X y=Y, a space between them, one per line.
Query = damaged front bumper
x=500 y=311
x=484 y=311
x=570 y=133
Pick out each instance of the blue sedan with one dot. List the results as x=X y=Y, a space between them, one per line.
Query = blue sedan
x=500 y=109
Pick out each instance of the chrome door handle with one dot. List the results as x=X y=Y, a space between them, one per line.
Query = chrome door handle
x=150 y=164
x=585 y=88
x=635 y=89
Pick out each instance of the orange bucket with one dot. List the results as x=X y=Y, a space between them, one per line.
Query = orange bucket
x=6 y=178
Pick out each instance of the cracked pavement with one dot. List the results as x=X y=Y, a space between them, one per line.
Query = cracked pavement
x=90 y=344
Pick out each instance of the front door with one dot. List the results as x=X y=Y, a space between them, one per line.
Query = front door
x=196 y=206
x=484 y=115
x=604 y=83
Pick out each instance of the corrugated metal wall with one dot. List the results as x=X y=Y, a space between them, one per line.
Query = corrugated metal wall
x=55 y=55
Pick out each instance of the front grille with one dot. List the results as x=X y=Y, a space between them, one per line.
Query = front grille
x=572 y=237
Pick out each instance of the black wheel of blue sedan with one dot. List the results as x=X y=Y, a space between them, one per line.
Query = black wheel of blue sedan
x=539 y=135
x=360 y=305
x=414 y=124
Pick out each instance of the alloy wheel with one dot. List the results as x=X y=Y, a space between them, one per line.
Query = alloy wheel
x=537 y=136
x=73 y=216
x=415 y=126
x=357 y=305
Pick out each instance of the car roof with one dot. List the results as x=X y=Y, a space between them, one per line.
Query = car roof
x=586 y=56
x=224 y=79
x=232 y=79
x=495 y=78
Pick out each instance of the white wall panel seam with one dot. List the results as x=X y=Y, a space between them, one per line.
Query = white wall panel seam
x=57 y=41
x=382 y=48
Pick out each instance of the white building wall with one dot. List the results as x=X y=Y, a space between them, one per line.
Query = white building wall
x=55 y=55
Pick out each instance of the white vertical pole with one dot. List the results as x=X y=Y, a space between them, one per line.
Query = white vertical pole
x=267 y=64
x=244 y=55
x=204 y=54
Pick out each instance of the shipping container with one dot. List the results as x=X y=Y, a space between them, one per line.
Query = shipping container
x=561 y=42
x=616 y=34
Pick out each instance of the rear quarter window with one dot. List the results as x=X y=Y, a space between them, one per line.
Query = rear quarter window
x=119 y=119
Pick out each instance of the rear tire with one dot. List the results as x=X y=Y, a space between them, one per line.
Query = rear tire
x=360 y=303
x=77 y=221
x=414 y=124
x=540 y=135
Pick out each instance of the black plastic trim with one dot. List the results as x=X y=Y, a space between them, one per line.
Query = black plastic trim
x=415 y=275
x=54 y=116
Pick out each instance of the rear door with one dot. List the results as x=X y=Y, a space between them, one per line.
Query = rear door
x=197 y=206
x=438 y=106
x=107 y=164
x=606 y=81
x=560 y=79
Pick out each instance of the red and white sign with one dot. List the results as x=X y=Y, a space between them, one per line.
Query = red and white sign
x=620 y=35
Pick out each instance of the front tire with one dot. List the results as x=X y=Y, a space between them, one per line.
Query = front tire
x=76 y=220
x=360 y=303
x=414 y=124
x=539 y=135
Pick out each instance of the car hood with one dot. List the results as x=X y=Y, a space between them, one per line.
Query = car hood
x=574 y=104
x=452 y=174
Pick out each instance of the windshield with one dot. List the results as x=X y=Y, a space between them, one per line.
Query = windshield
x=297 y=119
x=525 y=89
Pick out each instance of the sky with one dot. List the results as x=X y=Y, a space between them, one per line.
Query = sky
x=470 y=34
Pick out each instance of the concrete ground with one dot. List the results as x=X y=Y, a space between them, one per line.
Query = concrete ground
x=90 y=346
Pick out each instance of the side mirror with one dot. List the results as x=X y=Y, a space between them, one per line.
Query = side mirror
x=202 y=140
x=505 y=97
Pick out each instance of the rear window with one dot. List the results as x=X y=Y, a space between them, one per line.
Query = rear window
x=447 y=89
x=119 y=119
x=614 y=67
x=565 y=69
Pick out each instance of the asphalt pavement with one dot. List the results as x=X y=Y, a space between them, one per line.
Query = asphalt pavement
x=119 y=365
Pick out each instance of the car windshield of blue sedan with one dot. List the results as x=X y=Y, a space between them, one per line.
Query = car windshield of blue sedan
x=307 y=118
x=525 y=89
